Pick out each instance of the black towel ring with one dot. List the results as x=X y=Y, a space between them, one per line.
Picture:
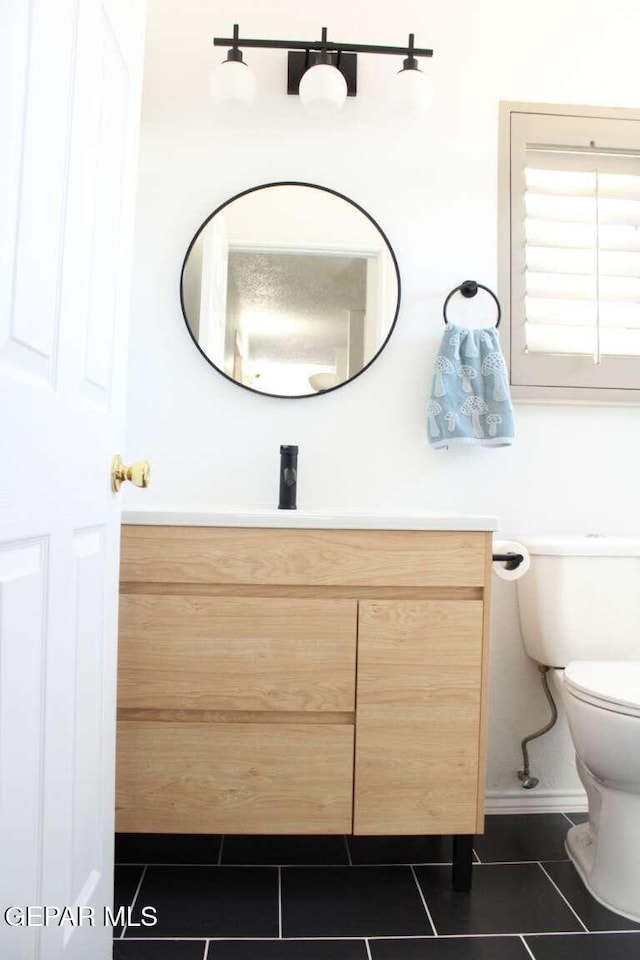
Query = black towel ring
x=469 y=289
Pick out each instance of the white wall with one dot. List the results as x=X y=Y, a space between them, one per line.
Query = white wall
x=432 y=186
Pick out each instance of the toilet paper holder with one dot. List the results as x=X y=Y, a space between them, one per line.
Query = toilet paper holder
x=511 y=560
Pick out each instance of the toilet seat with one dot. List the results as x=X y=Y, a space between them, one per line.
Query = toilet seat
x=609 y=684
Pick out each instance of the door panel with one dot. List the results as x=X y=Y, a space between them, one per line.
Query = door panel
x=23 y=584
x=104 y=290
x=47 y=53
x=88 y=773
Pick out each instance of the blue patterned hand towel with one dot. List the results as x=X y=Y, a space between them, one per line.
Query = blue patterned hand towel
x=470 y=400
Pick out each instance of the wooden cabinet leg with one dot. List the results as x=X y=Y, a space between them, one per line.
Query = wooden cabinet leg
x=462 y=860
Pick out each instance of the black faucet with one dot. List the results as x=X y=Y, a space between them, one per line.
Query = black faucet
x=288 y=477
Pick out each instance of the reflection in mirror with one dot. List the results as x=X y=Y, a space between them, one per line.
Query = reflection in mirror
x=290 y=289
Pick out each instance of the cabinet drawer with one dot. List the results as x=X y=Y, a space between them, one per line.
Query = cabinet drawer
x=236 y=653
x=234 y=778
x=284 y=557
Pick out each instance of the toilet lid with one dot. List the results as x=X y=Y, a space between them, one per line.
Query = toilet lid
x=613 y=684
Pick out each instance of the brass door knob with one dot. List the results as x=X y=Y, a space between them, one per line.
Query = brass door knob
x=138 y=473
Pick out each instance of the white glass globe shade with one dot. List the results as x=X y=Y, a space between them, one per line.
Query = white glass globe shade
x=232 y=82
x=412 y=91
x=322 y=88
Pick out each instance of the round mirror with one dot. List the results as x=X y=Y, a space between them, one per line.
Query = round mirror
x=290 y=289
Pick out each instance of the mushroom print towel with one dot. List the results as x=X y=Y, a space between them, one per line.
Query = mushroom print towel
x=470 y=400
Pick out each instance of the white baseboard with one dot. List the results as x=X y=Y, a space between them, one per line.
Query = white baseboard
x=535 y=801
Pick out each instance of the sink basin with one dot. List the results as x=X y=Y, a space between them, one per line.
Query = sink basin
x=341 y=518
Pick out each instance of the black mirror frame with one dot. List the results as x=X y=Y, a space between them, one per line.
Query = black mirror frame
x=314 y=186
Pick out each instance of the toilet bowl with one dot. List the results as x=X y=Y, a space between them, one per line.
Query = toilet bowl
x=602 y=703
x=579 y=608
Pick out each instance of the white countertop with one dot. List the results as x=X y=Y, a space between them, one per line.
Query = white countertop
x=331 y=518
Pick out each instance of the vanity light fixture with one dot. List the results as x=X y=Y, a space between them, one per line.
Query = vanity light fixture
x=232 y=80
x=322 y=73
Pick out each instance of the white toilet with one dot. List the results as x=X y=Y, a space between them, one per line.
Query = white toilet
x=579 y=608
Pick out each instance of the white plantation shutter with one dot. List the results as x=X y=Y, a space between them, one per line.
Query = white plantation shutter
x=582 y=253
x=575 y=252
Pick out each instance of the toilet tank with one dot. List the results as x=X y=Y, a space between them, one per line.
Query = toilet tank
x=580 y=599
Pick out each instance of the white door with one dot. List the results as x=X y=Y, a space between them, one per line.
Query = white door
x=70 y=83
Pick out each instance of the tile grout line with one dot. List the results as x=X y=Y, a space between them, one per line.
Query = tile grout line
x=424 y=902
x=540 y=934
x=367 y=948
x=524 y=944
x=220 y=850
x=194 y=939
x=551 y=880
x=135 y=897
x=346 y=843
x=590 y=934
x=322 y=866
x=279 y=903
x=206 y=949
x=503 y=863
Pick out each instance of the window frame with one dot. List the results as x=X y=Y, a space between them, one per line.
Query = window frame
x=540 y=377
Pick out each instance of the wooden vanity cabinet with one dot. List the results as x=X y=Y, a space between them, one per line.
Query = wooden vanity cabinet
x=302 y=680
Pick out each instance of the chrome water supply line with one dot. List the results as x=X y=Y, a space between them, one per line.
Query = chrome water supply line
x=524 y=775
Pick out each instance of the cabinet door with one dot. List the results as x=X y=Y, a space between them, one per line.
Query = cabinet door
x=418 y=723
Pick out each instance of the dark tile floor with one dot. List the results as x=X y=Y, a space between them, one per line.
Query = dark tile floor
x=364 y=898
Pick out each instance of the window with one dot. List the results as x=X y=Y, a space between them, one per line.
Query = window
x=569 y=235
